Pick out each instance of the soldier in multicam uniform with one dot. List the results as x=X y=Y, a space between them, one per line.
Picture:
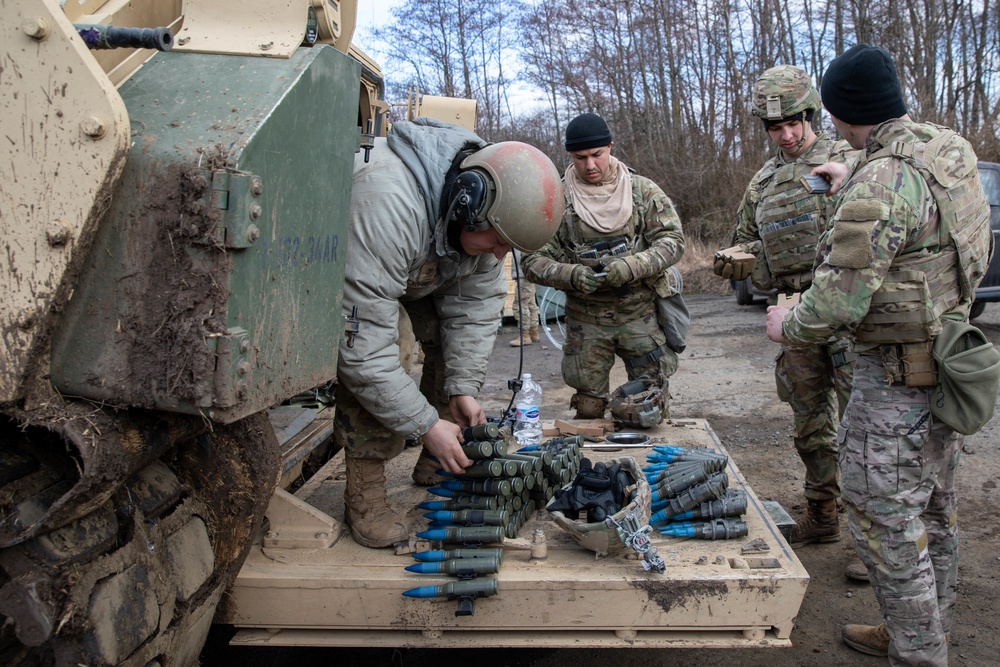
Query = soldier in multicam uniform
x=908 y=244
x=611 y=255
x=433 y=213
x=779 y=222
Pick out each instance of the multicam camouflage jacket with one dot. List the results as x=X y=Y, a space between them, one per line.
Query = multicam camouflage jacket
x=780 y=222
x=907 y=245
x=653 y=236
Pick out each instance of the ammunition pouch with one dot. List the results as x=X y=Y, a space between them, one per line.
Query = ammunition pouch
x=672 y=314
x=599 y=536
x=909 y=364
x=969 y=369
x=640 y=403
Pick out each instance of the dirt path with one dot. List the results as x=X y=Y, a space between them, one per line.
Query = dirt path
x=726 y=375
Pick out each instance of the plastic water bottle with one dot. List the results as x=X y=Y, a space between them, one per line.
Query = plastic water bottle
x=527 y=425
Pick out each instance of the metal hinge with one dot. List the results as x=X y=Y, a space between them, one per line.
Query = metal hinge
x=238 y=196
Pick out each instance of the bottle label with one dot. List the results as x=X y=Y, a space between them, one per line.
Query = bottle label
x=527 y=413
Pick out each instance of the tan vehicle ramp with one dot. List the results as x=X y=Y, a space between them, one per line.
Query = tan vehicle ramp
x=307 y=583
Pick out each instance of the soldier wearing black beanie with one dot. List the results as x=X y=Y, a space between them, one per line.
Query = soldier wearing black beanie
x=861 y=87
x=588 y=130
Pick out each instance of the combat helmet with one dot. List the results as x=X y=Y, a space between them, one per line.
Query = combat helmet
x=784 y=92
x=639 y=403
x=519 y=190
x=625 y=482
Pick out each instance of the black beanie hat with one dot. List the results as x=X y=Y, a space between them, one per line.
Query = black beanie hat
x=861 y=87
x=588 y=130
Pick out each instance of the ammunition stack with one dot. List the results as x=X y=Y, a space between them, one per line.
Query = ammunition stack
x=490 y=501
x=691 y=497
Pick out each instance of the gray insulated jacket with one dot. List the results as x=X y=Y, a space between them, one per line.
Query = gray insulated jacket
x=398 y=251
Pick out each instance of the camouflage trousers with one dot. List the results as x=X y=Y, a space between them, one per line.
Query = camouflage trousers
x=528 y=307
x=897 y=467
x=356 y=430
x=816 y=382
x=590 y=351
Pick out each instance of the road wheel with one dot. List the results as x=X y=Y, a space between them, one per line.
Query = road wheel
x=136 y=579
x=744 y=296
x=977 y=309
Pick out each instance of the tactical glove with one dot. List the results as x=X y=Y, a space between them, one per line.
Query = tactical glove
x=619 y=273
x=584 y=280
x=733 y=263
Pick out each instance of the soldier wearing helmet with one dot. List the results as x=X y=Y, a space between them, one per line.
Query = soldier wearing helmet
x=433 y=212
x=612 y=255
x=909 y=242
x=779 y=223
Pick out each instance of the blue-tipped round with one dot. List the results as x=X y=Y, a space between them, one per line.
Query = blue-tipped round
x=424 y=568
x=658 y=518
x=669 y=449
x=433 y=505
x=678 y=530
x=435 y=556
x=422 y=592
x=438 y=534
x=443 y=493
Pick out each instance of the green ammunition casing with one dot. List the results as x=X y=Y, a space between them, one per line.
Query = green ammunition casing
x=483 y=487
x=466 y=534
x=546 y=456
x=478 y=450
x=481 y=432
x=473 y=502
x=495 y=517
x=535 y=461
x=514 y=468
x=479 y=586
x=517 y=484
x=499 y=448
x=675 y=484
x=495 y=553
x=484 y=468
x=469 y=565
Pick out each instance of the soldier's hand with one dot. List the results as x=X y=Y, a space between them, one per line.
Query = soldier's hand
x=442 y=442
x=584 y=280
x=619 y=273
x=775 y=320
x=466 y=411
x=733 y=263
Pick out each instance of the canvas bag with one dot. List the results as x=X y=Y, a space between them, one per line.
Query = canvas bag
x=968 y=368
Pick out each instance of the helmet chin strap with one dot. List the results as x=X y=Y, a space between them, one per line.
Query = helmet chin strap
x=802 y=141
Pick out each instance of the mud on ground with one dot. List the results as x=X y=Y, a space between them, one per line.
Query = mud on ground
x=726 y=376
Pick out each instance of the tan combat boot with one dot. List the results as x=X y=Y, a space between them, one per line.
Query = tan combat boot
x=857 y=571
x=869 y=639
x=366 y=507
x=820 y=525
x=525 y=338
x=425 y=471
